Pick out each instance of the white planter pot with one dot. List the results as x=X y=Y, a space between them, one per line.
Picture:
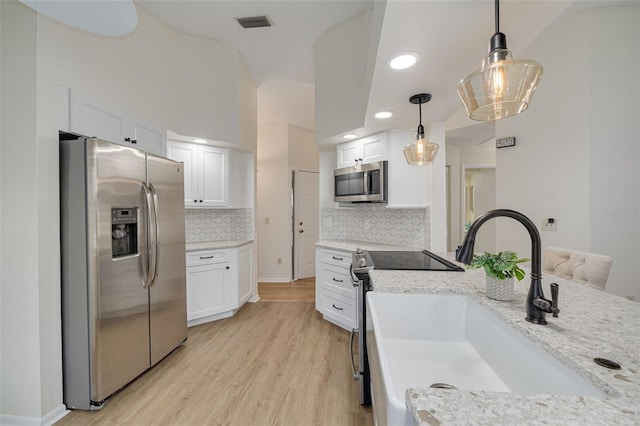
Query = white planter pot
x=498 y=289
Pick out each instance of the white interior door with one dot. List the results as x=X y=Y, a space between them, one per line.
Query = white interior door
x=305 y=226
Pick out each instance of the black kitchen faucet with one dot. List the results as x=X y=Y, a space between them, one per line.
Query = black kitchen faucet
x=537 y=305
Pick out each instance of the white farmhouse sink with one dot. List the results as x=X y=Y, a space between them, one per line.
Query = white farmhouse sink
x=421 y=339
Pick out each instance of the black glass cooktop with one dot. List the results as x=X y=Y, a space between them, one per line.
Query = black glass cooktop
x=411 y=261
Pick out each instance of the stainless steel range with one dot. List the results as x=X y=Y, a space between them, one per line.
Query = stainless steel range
x=362 y=262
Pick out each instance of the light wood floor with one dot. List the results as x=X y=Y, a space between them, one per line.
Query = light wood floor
x=295 y=291
x=273 y=363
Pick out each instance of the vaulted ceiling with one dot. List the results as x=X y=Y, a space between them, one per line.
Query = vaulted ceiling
x=450 y=36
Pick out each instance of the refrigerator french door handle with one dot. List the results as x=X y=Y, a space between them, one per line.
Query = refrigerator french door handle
x=147 y=201
x=154 y=243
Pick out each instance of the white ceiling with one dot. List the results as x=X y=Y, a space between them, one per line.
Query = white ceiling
x=451 y=37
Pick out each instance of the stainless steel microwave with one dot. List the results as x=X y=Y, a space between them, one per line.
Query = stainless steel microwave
x=362 y=183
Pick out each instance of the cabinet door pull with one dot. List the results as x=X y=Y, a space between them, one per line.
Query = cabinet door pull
x=337 y=280
x=336 y=307
x=228 y=267
x=337 y=258
x=134 y=141
x=127 y=139
x=195 y=201
x=206 y=257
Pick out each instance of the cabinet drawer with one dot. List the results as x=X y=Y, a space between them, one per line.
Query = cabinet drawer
x=337 y=279
x=337 y=258
x=339 y=308
x=206 y=257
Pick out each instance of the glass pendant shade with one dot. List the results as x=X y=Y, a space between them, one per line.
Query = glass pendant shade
x=421 y=152
x=501 y=88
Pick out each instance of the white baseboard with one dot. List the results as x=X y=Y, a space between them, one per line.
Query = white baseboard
x=52 y=417
x=210 y=318
x=274 y=280
x=254 y=299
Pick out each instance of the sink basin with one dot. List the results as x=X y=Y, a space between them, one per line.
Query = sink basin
x=418 y=340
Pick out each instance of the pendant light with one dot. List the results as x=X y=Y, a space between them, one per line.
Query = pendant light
x=503 y=86
x=420 y=152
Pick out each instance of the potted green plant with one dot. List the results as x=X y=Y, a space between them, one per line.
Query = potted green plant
x=500 y=268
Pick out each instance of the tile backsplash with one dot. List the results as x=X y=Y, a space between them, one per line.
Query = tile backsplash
x=377 y=224
x=218 y=224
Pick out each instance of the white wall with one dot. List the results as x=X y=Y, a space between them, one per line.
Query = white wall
x=191 y=85
x=437 y=190
x=341 y=65
x=274 y=238
x=454 y=237
x=577 y=155
x=21 y=349
x=303 y=152
x=327 y=163
x=281 y=149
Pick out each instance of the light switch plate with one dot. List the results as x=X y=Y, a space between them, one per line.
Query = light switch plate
x=549 y=224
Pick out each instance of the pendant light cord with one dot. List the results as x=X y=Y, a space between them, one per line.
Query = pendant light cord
x=420 y=112
x=497 y=16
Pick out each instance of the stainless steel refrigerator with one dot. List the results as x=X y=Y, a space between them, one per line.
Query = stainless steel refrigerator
x=123 y=266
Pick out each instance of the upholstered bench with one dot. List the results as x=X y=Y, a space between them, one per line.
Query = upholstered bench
x=585 y=268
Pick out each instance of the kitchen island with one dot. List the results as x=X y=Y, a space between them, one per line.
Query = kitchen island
x=592 y=324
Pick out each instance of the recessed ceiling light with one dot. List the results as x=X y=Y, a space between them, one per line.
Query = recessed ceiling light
x=350 y=136
x=403 y=61
x=200 y=141
x=383 y=114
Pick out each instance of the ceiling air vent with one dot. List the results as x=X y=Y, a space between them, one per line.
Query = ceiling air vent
x=255 y=22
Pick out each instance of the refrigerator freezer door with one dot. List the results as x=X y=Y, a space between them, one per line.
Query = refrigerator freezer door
x=168 y=308
x=119 y=303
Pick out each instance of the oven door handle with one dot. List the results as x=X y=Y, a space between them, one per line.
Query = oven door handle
x=356 y=374
x=354 y=278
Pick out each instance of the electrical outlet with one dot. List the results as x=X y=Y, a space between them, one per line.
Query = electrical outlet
x=630 y=297
x=279 y=261
x=549 y=224
x=267 y=220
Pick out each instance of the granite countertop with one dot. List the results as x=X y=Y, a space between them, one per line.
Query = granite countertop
x=591 y=324
x=212 y=245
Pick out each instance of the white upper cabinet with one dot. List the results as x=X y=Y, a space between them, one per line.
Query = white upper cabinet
x=365 y=150
x=214 y=177
x=92 y=117
x=213 y=173
x=206 y=171
x=147 y=136
x=188 y=155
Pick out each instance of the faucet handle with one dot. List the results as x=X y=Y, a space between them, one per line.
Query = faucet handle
x=555 y=289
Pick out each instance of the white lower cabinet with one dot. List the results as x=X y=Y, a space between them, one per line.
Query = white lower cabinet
x=219 y=282
x=336 y=297
x=245 y=274
x=207 y=290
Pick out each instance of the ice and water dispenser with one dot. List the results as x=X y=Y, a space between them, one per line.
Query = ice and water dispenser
x=124 y=231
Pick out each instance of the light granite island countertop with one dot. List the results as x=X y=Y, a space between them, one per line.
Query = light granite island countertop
x=591 y=324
